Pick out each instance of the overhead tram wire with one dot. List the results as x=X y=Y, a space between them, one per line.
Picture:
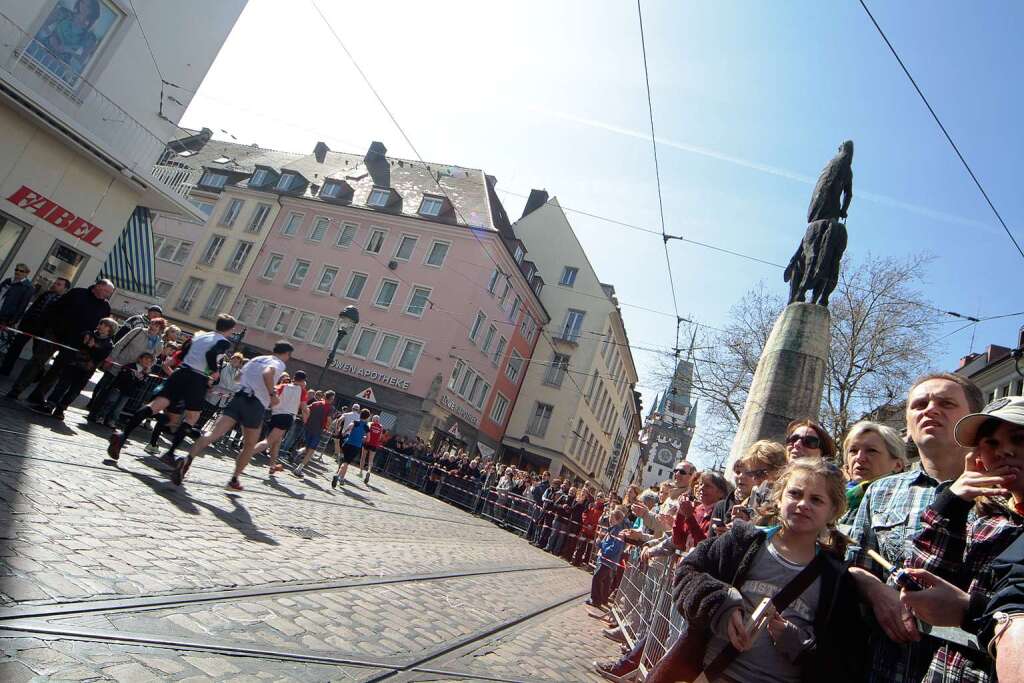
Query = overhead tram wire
x=945 y=132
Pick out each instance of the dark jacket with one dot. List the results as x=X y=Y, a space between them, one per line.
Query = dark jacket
x=128 y=380
x=74 y=314
x=702 y=583
x=537 y=492
x=16 y=296
x=90 y=356
x=1007 y=593
x=34 y=319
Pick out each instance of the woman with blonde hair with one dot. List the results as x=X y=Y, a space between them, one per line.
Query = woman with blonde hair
x=870 y=451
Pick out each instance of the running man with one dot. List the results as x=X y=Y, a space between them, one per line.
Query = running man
x=352 y=447
x=256 y=394
x=293 y=400
x=188 y=384
x=317 y=419
x=370 y=445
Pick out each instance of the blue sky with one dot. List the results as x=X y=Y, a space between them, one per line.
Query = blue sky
x=750 y=101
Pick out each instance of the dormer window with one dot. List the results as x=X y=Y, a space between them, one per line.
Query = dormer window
x=519 y=254
x=259 y=178
x=284 y=183
x=431 y=206
x=379 y=198
x=211 y=179
x=530 y=272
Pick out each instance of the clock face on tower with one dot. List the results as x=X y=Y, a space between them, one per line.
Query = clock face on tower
x=664 y=456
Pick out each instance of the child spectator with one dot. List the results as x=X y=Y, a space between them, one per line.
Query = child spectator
x=128 y=382
x=607 y=560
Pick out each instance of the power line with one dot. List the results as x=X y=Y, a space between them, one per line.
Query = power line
x=943 y=129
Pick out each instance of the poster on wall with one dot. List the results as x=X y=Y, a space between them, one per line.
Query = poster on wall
x=70 y=36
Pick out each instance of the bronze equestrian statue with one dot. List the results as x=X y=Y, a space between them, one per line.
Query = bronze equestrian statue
x=815 y=265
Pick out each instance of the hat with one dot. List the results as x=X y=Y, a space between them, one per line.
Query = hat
x=1008 y=409
x=156 y=308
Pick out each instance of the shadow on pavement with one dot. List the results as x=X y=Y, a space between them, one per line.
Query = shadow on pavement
x=166 y=490
x=273 y=483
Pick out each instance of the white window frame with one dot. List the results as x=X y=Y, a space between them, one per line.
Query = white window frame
x=259 y=177
x=373 y=342
x=321 y=323
x=539 y=426
x=294 y=230
x=556 y=370
x=492 y=331
x=275 y=260
x=492 y=283
x=269 y=308
x=231 y=213
x=498 y=351
x=485 y=391
x=160 y=284
x=519 y=254
x=380 y=290
x=514 y=368
x=341 y=233
x=213 y=179
x=453 y=380
x=318 y=289
x=380 y=345
x=330 y=190
x=231 y=266
x=245 y=316
x=378 y=193
x=517 y=303
x=287 y=314
x=213 y=308
x=434 y=201
x=318 y=221
x=290 y=282
x=569 y=274
x=478 y=323
x=434 y=243
x=259 y=218
x=284 y=182
x=187 y=298
x=572 y=332
x=401 y=242
x=182 y=249
x=369 y=240
x=309 y=328
x=362 y=288
x=404 y=345
x=214 y=244
x=499 y=409
x=412 y=295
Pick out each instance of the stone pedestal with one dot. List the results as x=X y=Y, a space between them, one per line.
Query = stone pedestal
x=789 y=377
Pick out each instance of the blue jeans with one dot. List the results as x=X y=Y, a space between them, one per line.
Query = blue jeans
x=113 y=402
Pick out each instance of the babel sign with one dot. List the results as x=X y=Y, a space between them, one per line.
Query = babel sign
x=28 y=199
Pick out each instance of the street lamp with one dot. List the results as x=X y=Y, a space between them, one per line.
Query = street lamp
x=347 y=321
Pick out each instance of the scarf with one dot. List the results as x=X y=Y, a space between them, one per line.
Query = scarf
x=855 y=494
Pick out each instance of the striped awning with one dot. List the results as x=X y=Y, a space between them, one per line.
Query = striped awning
x=130 y=263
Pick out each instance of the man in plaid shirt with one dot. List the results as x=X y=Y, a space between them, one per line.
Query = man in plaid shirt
x=891 y=514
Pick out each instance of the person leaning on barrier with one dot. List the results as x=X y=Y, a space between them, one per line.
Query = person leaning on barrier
x=693 y=523
x=968 y=526
x=610 y=551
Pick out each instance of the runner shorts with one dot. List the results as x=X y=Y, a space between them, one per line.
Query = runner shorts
x=246 y=410
x=349 y=453
x=186 y=386
x=312 y=440
x=282 y=421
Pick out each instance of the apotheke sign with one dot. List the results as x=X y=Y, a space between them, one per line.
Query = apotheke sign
x=450 y=405
x=377 y=376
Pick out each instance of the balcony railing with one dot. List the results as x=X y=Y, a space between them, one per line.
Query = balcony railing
x=60 y=90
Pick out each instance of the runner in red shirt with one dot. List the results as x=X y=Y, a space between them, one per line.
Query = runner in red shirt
x=374 y=437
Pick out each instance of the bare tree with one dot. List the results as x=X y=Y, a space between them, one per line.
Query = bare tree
x=883 y=334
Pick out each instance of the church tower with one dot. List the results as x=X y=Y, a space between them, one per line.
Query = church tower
x=669 y=427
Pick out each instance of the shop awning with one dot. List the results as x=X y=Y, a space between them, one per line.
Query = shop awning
x=130 y=263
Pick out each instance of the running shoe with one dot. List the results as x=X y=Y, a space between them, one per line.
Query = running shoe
x=41 y=408
x=58 y=413
x=153 y=449
x=114 y=444
x=298 y=471
x=334 y=481
x=614 y=634
x=619 y=671
x=234 y=485
x=178 y=473
x=366 y=479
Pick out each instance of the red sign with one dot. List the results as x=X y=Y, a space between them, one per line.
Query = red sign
x=52 y=212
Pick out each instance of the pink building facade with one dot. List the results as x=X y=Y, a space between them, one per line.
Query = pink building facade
x=444 y=307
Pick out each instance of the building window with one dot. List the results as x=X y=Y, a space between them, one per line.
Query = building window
x=456 y=372
x=519 y=254
x=505 y=287
x=499 y=409
x=216 y=301
x=163 y=288
x=379 y=198
x=489 y=338
x=568 y=276
x=514 y=312
x=538 y=285
x=259 y=217
x=212 y=250
x=405 y=247
x=492 y=284
x=248 y=309
x=267 y=310
x=284 y=183
x=189 y=294
x=292 y=226
x=259 y=178
x=386 y=350
x=231 y=213
x=467 y=383
x=437 y=254
x=498 y=350
x=205 y=207
x=330 y=190
x=319 y=229
x=418 y=301
x=238 y=259
x=299 y=272
x=76 y=47
x=303 y=325
x=515 y=365
x=431 y=206
x=556 y=371
x=284 y=318
x=538 y=424
x=346 y=235
x=528 y=327
x=386 y=293
x=410 y=355
x=356 y=283
x=171 y=249
x=573 y=324
x=323 y=331
x=327 y=278
x=478 y=322
x=273 y=265
x=365 y=343
x=476 y=390
x=376 y=241
x=214 y=180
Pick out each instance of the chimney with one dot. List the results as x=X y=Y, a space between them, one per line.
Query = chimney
x=376 y=152
x=538 y=198
x=377 y=164
x=320 y=152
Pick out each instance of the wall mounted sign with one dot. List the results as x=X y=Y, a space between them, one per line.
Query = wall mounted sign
x=370 y=374
x=446 y=402
x=28 y=199
x=367 y=395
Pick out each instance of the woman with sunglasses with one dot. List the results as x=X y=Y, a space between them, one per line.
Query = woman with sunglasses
x=870 y=451
x=808 y=439
x=764 y=462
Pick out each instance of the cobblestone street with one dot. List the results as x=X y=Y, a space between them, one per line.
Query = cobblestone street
x=108 y=572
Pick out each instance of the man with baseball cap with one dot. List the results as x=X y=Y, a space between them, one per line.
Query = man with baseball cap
x=978 y=563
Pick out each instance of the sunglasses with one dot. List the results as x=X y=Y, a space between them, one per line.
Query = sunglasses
x=810 y=441
x=21 y=270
